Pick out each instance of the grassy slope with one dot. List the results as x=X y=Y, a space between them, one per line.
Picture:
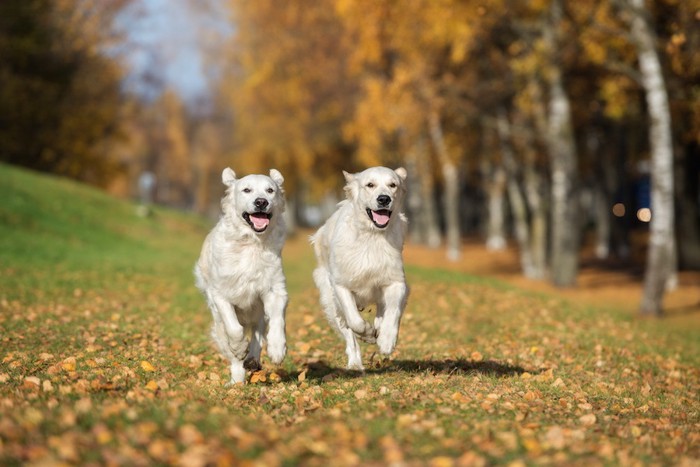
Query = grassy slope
x=104 y=356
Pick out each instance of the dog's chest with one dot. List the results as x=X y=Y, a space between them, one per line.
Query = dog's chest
x=245 y=274
x=364 y=269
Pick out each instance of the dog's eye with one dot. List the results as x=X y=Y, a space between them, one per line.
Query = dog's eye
x=270 y=190
x=370 y=185
x=247 y=190
x=392 y=185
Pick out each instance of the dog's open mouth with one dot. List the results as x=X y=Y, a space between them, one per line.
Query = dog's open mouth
x=380 y=218
x=258 y=221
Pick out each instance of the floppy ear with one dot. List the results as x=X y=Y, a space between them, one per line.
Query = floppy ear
x=228 y=176
x=401 y=172
x=277 y=177
x=350 y=188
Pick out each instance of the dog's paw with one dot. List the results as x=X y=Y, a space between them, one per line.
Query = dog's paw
x=252 y=364
x=355 y=365
x=368 y=335
x=386 y=342
x=237 y=373
x=276 y=352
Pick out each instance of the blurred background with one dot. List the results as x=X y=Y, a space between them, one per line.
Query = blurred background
x=548 y=124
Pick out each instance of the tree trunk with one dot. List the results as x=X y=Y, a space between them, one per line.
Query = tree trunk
x=451 y=179
x=535 y=185
x=562 y=153
x=423 y=223
x=495 y=180
x=515 y=195
x=660 y=268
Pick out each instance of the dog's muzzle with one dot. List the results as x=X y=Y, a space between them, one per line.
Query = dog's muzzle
x=380 y=218
x=258 y=220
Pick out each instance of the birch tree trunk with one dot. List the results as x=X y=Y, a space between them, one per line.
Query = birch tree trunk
x=563 y=163
x=660 y=268
x=423 y=223
x=451 y=178
x=494 y=176
x=515 y=195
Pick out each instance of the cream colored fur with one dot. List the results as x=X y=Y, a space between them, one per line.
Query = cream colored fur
x=240 y=272
x=360 y=262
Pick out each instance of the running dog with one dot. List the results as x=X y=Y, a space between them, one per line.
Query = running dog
x=359 y=254
x=240 y=272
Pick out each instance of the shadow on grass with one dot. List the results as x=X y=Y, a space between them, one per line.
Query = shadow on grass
x=322 y=371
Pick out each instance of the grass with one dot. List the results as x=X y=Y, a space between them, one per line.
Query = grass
x=105 y=359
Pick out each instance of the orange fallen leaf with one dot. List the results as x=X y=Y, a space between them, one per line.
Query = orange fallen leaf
x=152 y=386
x=146 y=366
x=258 y=376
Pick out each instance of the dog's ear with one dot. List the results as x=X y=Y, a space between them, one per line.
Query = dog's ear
x=401 y=172
x=277 y=177
x=228 y=176
x=350 y=187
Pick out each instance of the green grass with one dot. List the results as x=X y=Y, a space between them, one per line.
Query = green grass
x=483 y=373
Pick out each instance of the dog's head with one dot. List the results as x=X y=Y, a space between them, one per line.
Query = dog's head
x=256 y=200
x=378 y=192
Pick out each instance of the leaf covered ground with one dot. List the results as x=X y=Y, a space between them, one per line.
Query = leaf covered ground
x=105 y=359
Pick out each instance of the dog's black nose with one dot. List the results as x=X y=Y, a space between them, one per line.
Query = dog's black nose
x=260 y=203
x=383 y=200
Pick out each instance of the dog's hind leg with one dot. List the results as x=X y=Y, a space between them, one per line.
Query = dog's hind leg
x=252 y=361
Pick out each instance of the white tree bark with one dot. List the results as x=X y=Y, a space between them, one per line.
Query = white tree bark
x=451 y=178
x=660 y=268
x=563 y=163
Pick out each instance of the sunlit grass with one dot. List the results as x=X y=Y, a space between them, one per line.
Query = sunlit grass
x=483 y=372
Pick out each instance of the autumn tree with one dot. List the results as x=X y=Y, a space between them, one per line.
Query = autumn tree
x=289 y=92
x=59 y=92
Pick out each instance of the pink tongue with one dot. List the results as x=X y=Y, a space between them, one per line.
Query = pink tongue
x=380 y=218
x=259 y=221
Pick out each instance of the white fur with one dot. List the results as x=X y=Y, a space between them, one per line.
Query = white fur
x=240 y=273
x=360 y=263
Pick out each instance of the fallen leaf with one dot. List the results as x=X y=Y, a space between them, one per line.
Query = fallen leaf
x=258 y=377
x=152 y=386
x=588 y=419
x=146 y=366
x=68 y=364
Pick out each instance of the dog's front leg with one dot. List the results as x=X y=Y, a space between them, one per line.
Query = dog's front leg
x=232 y=338
x=275 y=303
x=395 y=296
x=359 y=326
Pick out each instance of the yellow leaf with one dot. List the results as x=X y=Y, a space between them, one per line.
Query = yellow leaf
x=152 y=386
x=147 y=366
x=274 y=377
x=68 y=364
x=302 y=376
